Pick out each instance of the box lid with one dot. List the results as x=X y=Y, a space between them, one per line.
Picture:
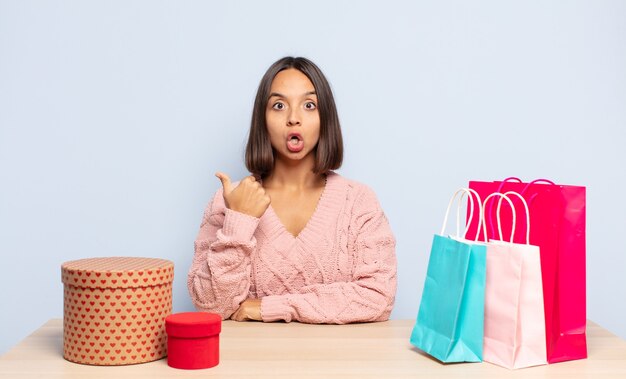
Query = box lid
x=193 y=324
x=117 y=272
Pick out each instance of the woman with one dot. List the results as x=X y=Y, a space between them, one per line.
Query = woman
x=295 y=240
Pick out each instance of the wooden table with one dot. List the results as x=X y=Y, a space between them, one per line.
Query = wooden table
x=279 y=350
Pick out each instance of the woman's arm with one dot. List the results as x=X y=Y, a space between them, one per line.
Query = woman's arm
x=371 y=293
x=219 y=278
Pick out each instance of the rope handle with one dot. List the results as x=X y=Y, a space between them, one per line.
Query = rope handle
x=505 y=197
x=525 y=208
x=468 y=192
x=511 y=179
x=506 y=180
x=547 y=181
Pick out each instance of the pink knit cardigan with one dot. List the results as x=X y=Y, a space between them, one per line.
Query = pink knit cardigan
x=341 y=268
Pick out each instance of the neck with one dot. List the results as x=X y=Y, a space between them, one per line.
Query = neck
x=294 y=175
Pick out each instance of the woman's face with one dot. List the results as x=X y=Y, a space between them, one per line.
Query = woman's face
x=292 y=118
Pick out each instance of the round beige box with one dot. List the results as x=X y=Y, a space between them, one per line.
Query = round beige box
x=115 y=309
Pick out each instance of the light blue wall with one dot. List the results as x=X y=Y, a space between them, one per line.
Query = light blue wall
x=114 y=115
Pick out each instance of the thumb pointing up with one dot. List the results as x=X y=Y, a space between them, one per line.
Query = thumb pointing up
x=228 y=186
x=248 y=197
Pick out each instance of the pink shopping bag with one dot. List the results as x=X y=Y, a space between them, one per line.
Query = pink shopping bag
x=515 y=334
x=557 y=216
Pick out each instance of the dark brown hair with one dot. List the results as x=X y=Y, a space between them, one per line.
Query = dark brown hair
x=329 y=150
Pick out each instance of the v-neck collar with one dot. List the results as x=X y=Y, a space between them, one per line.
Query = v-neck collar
x=314 y=216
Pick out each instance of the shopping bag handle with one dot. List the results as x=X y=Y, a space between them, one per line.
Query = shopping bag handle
x=525 y=208
x=547 y=181
x=468 y=192
x=510 y=179
x=516 y=179
x=505 y=197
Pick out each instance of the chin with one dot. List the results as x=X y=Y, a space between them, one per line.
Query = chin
x=295 y=156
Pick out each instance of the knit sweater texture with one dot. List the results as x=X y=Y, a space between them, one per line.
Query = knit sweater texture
x=340 y=268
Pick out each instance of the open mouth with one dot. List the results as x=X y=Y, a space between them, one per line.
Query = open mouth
x=295 y=142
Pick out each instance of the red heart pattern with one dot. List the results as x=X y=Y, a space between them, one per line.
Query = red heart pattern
x=118 y=322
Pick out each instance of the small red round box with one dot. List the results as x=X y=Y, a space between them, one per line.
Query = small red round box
x=193 y=340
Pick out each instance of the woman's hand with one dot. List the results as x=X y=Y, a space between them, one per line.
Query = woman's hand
x=248 y=197
x=250 y=309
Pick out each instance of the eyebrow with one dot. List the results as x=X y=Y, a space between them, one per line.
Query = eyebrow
x=276 y=94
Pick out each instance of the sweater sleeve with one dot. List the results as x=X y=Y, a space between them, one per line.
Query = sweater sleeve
x=219 y=278
x=369 y=296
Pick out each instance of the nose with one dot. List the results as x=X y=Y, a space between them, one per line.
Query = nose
x=293 y=118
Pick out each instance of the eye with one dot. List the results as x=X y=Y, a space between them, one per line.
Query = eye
x=310 y=105
x=278 y=106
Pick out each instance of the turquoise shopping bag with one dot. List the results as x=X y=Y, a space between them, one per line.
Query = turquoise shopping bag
x=450 y=320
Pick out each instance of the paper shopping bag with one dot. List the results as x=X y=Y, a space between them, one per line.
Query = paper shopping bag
x=514 y=315
x=557 y=215
x=449 y=323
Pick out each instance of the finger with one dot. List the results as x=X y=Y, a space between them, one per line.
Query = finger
x=226 y=183
x=238 y=315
